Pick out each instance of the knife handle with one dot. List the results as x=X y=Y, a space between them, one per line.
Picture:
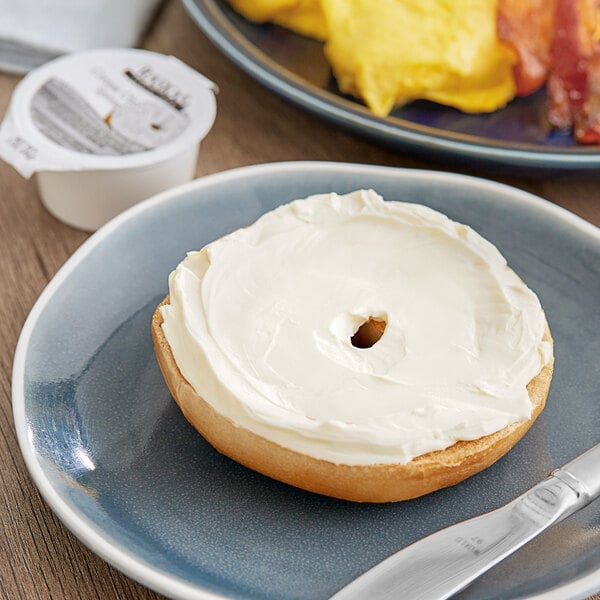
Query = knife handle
x=586 y=470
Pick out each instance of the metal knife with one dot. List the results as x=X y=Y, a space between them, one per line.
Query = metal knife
x=446 y=562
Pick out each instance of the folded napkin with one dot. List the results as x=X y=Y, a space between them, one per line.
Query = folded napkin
x=35 y=31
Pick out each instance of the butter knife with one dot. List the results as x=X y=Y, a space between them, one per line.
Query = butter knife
x=447 y=561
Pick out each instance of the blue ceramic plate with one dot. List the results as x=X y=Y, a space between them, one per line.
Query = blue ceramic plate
x=517 y=137
x=119 y=464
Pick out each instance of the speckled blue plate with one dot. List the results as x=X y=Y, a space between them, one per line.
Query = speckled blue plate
x=118 y=463
x=517 y=137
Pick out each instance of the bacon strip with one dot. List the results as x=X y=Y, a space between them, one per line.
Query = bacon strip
x=571 y=50
x=556 y=42
x=527 y=27
x=587 y=120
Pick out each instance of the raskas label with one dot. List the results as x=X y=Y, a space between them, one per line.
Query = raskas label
x=124 y=114
x=160 y=87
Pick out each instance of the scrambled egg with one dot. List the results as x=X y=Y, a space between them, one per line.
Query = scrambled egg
x=389 y=52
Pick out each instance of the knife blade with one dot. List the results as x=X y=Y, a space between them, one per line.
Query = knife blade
x=445 y=562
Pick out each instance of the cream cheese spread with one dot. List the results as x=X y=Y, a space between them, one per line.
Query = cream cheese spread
x=260 y=323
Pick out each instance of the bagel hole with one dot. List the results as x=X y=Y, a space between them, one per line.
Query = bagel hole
x=369 y=333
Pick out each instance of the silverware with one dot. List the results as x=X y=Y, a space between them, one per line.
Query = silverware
x=447 y=561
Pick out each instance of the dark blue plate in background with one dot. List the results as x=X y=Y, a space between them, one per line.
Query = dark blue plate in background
x=293 y=66
x=119 y=464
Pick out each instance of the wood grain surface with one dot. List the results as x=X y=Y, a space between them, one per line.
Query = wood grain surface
x=39 y=557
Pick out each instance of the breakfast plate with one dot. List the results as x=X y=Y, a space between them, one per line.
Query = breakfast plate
x=516 y=137
x=121 y=467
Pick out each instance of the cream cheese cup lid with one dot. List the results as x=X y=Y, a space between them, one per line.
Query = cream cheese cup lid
x=106 y=109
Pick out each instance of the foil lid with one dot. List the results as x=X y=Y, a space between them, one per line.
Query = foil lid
x=105 y=109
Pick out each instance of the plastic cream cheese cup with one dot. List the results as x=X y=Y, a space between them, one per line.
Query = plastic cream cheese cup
x=104 y=129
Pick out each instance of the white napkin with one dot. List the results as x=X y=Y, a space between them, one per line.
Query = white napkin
x=35 y=31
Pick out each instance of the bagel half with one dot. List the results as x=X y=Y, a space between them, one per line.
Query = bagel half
x=360 y=483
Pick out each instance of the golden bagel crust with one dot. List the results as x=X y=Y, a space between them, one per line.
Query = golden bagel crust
x=359 y=483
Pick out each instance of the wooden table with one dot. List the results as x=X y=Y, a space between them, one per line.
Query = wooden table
x=39 y=558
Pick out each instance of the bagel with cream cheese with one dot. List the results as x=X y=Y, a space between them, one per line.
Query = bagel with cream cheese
x=366 y=350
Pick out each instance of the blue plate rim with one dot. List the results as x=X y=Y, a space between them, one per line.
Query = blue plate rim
x=85 y=529
x=393 y=130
